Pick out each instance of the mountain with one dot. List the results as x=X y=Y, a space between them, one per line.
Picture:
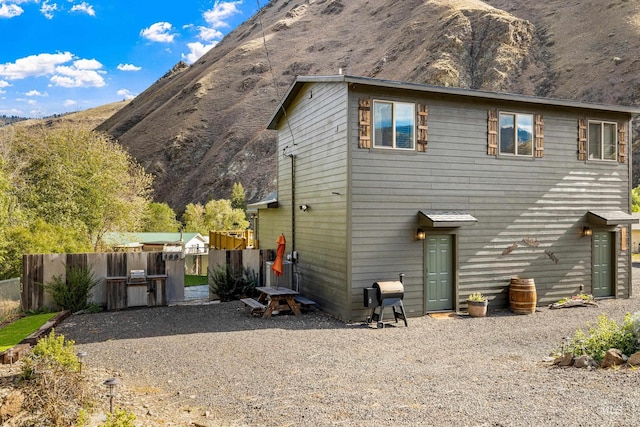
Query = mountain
x=200 y=128
x=85 y=119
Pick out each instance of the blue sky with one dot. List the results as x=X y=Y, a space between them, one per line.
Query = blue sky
x=60 y=56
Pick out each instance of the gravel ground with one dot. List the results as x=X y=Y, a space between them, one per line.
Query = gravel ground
x=212 y=365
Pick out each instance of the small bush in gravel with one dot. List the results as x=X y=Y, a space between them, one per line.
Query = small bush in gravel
x=635 y=329
x=602 y=336
x=55 y=393
x=72 y=292
x=230 y=283
x=120 y=418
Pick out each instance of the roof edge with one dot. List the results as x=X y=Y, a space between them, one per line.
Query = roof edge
x=300 y=81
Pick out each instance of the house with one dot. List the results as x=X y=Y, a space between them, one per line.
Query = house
x=460 y=190
x=194 y=243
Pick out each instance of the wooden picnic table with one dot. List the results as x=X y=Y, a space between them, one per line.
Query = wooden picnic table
x=278 y=299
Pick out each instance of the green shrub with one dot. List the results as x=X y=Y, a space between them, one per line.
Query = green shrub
x=52 y=352
x=229 y=283
x=120 y=418
x=55 y=393
x=635 y=329
x=602 y=336
x=72 y=293
x=477 y=297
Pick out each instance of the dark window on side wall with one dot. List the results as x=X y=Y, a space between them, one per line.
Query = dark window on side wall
x=516 y=134
x=602 y=141
x=394 y=125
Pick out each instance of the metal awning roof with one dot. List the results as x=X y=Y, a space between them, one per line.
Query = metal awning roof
x=270 y=201
x=445 y=219
x=610 y=218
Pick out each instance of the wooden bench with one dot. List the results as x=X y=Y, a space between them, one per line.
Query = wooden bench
x=304 y=300
x=256 y=306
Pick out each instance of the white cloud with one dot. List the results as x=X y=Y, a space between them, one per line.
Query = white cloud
x=69 y=103
x=36 y=93
x=159 y=32
x=221 y=11
x=216 y=19
x=4 y=83
x=27 y=101
x=81 y=73
x=196 y=50
x=128 y=67
x=34 y=65
x=87 y=64
x=74 y=76
x=47 y=9
x=126 y=94
x=10 y=10
x=208 y=34
x=85 y=8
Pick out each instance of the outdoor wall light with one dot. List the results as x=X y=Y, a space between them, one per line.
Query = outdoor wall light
x=81 y=356
x=420 y=234
x=111 y=383
x=304 y=208
x=586 y=231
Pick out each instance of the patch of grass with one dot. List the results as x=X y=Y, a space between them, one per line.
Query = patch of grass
x=15 y=332
x=194 y=280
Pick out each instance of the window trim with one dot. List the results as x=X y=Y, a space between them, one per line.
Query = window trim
x=615 y=158
x=374 y=144
x=515 y=135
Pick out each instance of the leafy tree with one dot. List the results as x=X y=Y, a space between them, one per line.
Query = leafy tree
x=193 y=219
x=635 y=199
x=39 y=237
x=215 y=215
x=74 y=178
x=159 y=217
x=219 y=215
x=238 y=197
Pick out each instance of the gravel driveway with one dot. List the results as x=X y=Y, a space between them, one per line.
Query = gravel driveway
x=212 y=365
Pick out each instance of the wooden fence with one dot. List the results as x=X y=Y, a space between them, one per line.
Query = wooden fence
x=248 y=258
x=42 y=268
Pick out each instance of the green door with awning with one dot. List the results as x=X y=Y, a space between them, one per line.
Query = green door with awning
x=602 y=272
x=439 y=272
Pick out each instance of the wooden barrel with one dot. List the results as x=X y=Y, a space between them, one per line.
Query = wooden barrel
x=522 y=295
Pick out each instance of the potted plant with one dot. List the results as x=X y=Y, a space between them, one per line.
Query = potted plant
x=477 y=305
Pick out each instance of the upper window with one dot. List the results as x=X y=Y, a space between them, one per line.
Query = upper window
x=602 y=141
x=516 y=134
x=394 y=125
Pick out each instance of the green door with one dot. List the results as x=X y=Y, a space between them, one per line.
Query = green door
x=439 y=274
x=601 y=268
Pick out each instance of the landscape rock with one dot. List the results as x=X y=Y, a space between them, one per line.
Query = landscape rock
x=613 y=357
x=564 y=360
x=634 y=359
x=584 y=361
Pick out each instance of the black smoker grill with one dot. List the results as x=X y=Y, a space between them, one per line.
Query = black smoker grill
x=385 y=294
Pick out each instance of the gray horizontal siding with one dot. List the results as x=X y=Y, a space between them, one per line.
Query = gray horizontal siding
x=512 y=198
x=316 y=135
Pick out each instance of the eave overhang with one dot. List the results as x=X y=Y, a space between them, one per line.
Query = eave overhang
x=610 y=218
x=445 y=219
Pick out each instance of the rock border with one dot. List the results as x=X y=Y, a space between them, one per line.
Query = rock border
x=15 y=353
